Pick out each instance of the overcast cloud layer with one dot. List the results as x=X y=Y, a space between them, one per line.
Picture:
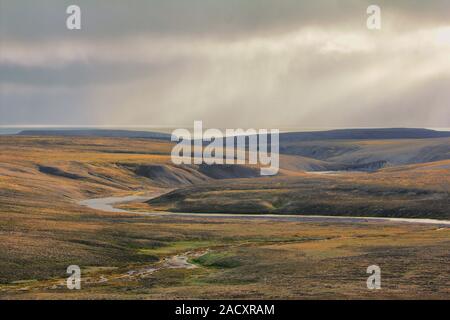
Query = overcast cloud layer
x=230 y=63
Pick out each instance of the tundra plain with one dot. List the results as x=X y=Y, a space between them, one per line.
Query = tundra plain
x=44 y=229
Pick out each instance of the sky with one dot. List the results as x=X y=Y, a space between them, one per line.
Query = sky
x=229 y=63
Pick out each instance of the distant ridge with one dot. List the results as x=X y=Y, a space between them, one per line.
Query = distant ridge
x=339 y=134
x=97 y=133
x=362 y=134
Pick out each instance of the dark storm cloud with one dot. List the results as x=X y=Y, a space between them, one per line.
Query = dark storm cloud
x=227 y=62
x=45 y=19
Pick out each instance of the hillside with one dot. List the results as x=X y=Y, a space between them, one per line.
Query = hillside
x=96 y=133
x=334 y=150
x=364 y=134
x=417 y=191
x=375 y=184
x=341 y=153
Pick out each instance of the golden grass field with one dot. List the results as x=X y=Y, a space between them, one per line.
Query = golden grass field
x=43 y=230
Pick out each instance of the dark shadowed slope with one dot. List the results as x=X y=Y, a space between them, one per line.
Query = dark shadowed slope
x=363 y=134
x=348 y=154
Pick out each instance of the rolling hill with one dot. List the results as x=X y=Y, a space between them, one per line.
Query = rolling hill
x=96 y=133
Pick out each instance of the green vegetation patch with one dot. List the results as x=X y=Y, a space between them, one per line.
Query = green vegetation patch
x=217 y=260
x=176 y=247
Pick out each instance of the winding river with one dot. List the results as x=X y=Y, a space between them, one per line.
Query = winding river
x=108 y=205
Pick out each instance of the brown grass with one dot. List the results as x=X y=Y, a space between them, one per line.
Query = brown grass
x=43 y=230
